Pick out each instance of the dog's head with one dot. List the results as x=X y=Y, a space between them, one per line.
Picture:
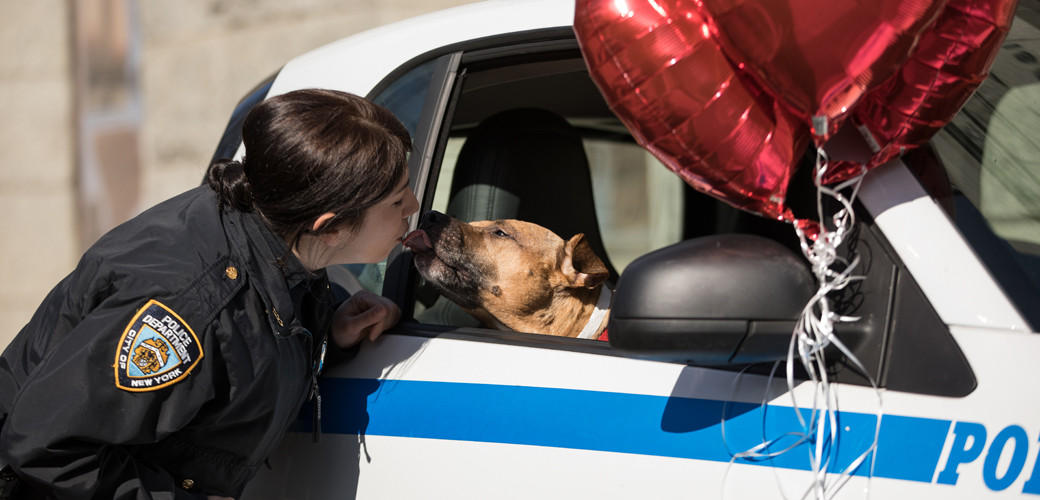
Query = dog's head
x=504 y=272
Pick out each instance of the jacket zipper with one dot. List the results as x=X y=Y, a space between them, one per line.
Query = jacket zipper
x=316 y=367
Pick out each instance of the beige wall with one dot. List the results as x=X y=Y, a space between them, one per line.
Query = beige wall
x=198 y=58
x=40 y=245
x=201 y=56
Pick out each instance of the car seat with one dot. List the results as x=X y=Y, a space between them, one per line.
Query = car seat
x=527 y=164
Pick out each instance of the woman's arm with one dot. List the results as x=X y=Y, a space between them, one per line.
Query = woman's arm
x=69 y=428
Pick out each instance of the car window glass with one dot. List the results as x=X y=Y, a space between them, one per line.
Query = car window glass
x=406 y=95
x=991 y=154
x=639 y=203
x=447 y=172
x=404 y=98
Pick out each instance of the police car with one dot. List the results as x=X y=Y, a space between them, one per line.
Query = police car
x=949 y=244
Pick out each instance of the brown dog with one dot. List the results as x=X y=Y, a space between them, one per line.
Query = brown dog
x=514 y=275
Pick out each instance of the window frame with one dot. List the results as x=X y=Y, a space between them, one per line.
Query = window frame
x=432 y=134
x=431 y=139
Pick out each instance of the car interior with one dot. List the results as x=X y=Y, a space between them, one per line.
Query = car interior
x=531 y=138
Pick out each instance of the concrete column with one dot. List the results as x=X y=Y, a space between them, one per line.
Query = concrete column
x=37 y=195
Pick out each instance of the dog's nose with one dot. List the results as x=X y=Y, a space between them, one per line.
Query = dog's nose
x=432 y=218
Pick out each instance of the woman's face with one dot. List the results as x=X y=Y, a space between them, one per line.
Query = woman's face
x=384 y=225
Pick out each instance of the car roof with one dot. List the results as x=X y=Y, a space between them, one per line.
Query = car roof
x=357 y=63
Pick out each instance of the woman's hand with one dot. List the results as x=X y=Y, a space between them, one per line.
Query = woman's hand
x=364 y=314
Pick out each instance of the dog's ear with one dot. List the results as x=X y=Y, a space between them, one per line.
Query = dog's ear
x=581 y=267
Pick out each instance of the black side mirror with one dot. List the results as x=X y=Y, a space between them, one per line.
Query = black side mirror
x=711 y=301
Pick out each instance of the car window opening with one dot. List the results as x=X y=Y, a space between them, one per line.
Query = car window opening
x=638 y=205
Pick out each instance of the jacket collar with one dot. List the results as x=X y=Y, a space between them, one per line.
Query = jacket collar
x=280 y=287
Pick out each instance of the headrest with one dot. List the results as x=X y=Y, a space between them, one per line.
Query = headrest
x=528 y=164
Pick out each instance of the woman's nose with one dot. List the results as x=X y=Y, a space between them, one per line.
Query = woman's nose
x=412 y=204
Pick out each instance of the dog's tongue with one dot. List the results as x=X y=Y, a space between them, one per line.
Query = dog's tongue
x=417 y=241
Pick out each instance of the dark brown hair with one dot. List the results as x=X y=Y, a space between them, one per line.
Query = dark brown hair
x=310 y=152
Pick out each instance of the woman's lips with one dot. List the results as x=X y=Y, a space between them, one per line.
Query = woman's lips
x=417 y=241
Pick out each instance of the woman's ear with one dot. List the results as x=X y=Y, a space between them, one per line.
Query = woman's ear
x=321 y=220
x=330 y=238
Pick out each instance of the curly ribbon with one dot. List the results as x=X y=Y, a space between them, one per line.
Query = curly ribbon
x=813 y=333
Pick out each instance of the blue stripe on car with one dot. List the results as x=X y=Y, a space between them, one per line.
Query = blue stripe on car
x=909 y=447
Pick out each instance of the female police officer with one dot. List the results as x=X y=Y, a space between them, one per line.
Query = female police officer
x=172 y=360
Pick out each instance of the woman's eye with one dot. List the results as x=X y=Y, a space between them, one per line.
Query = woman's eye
x=399 y=203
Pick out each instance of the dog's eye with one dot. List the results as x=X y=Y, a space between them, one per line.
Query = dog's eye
x=499 y=232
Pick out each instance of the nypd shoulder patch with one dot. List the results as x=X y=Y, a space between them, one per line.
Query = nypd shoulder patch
x=157 y=349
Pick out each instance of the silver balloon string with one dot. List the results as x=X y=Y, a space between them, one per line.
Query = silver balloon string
x=813 y=333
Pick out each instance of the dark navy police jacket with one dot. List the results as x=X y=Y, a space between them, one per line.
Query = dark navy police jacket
x=169 y=364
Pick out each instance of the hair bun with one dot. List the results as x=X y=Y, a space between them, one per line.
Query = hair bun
x=228 y=179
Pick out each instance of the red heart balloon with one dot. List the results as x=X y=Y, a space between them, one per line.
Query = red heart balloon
x=819 y=57
x=665 y=77
x=949 y=63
